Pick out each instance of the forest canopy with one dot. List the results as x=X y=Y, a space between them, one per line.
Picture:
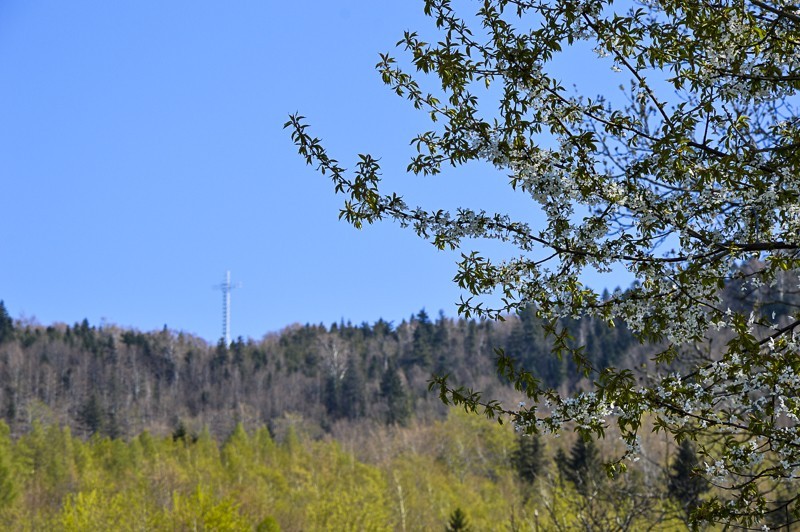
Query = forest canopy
x=688 y=178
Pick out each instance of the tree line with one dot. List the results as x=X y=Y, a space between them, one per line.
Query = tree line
x=119 y=382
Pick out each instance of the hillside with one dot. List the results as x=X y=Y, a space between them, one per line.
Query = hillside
x=293 y=431
x=120 y=382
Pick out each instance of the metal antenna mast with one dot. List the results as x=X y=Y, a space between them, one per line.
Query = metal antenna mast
x=226 y=288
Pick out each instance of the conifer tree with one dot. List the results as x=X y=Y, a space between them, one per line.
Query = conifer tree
x=583 y=467
x=458 y=522
x=6 y=324
x=422 y=348
x=397 y=400
x=180 y=433
x=527 y=457
x=685 y=484
x=92 y=415
x=330 y=395
x=352 y=399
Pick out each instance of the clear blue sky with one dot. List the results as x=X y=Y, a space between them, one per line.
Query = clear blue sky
x=142 y=154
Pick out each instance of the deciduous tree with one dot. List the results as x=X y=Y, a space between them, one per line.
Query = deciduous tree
x=689 y=179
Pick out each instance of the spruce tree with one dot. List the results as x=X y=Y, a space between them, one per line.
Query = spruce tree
x=92 y=415
x=422 y=348
x=330 y=396
x=685 y=485
x=394 y=392
x=527 y=457
x=353 y=396
x=458 y=522
x=582 y=467
x=6 y=324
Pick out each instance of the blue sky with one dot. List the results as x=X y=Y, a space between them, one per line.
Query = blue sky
x=142 y=155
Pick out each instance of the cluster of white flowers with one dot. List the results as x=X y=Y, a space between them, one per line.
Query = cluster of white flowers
x=791 y=224
x=587 y=410
x=717 y=472
x=633 y=448
x=740 y=71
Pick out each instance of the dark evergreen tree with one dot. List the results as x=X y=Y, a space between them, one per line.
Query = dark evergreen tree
x=85 y=334
x=458 y=522
x=299 y=348
x=685 y=486
x=583 y=467
x=397 y=400
x=382 y=328
x=441 y=351
x=470 y=338
x=111 y=426
x=6 y=324
x=562 y=462
x=527 y=457
x=422 y=347
x=352 y=399
x=220 y=358
x=330 y=396
x=92 y=415
x=180 y=433
x=529 y=347
x=238 y=349
x=605 y=345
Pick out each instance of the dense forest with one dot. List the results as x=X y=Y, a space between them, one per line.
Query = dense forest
x=120 y=382
x=322 y=427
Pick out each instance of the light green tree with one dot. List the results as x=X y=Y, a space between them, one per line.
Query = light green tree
x=345 y=494
x=8 y=486
x=200 y=510
x=689 y=179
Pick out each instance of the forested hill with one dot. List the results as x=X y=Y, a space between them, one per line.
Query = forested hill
x=119 y=382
